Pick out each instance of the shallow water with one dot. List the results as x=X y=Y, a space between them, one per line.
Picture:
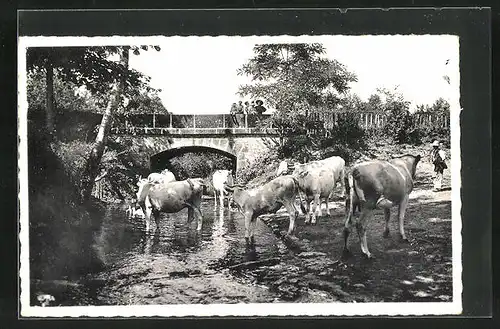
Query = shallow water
x=136 y=260
x=179 y=265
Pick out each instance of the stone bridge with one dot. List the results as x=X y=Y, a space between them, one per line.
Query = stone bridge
x=199 y=133
x=238 y=137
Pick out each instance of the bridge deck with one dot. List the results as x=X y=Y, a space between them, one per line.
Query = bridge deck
x=223 y=124
x=193 y=132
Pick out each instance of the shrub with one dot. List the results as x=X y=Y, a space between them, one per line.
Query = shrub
x=262 y=165
x=400 y=128
x=429 y=134
x=346 y=139
x=198 y=165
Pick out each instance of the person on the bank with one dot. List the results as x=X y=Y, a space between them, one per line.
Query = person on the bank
x=438 y=159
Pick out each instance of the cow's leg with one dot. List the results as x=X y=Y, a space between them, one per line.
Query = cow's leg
x=190 y=215
x=147 y=217
x=387 y=214
x=215 y=200
x=401 y=217
x=307 y=209
x=318 y=203
x=316 y=210
x=248 y=219
x=347 y=225
x=342 y=184
x=253 y=223
x=221 y=198
x=361 y=226
x=156 y=215
x=292 y=213
x=147 y=209
x=200 y=217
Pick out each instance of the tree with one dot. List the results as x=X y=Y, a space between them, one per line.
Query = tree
x=440 y=106
x=84 y=66
x=119 y=88
x=297 y=80
x=375 y=103
x=295 y=77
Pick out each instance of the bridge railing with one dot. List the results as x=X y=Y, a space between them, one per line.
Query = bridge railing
x=367 y=120
x=203 y=121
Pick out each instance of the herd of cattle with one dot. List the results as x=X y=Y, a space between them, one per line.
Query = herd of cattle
x=366 y=186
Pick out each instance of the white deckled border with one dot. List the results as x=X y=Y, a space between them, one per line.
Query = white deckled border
x=276 y=309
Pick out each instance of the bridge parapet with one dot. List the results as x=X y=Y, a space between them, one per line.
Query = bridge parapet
x=194 y=132
x=185 y=121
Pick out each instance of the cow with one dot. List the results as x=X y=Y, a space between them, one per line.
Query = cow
x=133 y=210
x=170 y=197
x=219 y=178
x=164 y=176
x=378 y=184
x=317 y=180
x=284 y=168
x=265 y=199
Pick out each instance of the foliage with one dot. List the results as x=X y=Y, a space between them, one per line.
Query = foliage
x=191 y=165
x=60 y=229
x=429 y=134
x=144 y=101
x=66 y=95
x=440 y=106
x=400 y=128
x=295 y=77
x=264 y=165
x=297 y=81
x=345 y=139
x=91 y=67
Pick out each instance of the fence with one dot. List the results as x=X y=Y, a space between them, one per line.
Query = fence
x=376 y=120
x=367 y=120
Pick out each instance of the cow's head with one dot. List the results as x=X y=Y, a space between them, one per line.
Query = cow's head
x=411 y=162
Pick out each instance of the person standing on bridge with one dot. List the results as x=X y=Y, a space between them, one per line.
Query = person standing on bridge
x=259 y=108
x=233 y=112
x=438 y=157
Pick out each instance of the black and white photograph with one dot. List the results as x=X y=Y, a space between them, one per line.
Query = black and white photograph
x=177 y=176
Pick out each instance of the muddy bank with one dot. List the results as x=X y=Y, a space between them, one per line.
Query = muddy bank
x=400 y=272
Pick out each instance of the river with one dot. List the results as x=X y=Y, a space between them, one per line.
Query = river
x=176 y=264
x=179 y=265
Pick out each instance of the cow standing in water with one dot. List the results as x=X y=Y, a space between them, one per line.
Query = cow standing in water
x=219 y=178
x=265 y=199
x=378 y=184
x=171 y=197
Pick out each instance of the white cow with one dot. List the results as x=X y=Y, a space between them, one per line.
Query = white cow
x=282 y=169
x=317 y=180
x=219 y=178
x=165 y=176
x=134 y=211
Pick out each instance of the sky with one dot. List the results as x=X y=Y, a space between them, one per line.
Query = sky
x=198 y=74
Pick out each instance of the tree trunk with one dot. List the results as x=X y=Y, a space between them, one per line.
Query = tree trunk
x=93 y=162
x=49 y=97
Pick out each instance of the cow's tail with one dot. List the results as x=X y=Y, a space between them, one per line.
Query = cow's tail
x=347 y=186
x=297 y=187
x=355 y=197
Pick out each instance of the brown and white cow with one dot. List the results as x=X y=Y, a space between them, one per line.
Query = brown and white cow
x=318 y=180
x=171 y=197
x=378 y=184
x=266 y=199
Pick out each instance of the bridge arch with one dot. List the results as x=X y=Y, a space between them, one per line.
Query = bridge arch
x=161 y=160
